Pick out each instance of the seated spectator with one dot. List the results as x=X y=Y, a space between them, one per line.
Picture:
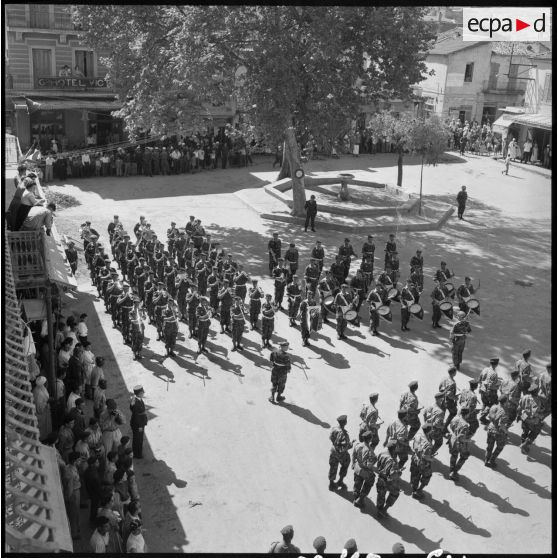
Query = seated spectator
x=38 y=217
x=28 y=201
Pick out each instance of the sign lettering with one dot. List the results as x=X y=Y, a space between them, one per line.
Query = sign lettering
x=71 y=83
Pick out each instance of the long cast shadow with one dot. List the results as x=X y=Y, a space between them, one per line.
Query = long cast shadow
x=370 y=349
x=305 y=414
x=337 y=360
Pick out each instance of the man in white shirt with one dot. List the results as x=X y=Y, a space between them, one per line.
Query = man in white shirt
x=86 y=162
x=100 y=538
x=82 y=329
x=527 y=146
x=49 y=162
x=38 y=217
x=135 y=542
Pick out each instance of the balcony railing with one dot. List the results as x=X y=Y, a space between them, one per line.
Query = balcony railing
x=508 y=86
x=26 y=249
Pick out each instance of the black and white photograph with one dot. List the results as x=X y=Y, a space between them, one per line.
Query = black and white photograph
x=279 y=279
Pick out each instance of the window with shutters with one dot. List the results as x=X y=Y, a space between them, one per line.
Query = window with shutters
x=547 y=90
x=84 y=62
x=42 y=62
x=469 y=72
x=39 y=16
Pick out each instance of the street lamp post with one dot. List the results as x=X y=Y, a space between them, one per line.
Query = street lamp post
x=420 y=192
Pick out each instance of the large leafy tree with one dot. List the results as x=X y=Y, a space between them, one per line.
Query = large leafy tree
x=302 y=62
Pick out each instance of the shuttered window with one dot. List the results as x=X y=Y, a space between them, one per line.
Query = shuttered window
x=42 y=62
x=39 y=17
x=84 y=62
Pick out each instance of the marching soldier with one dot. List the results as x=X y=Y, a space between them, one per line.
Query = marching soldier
x=112 y=227
x=226 y=297
x=137 y=328
x=213 y=286
x=363 y=465
x=114 y=292
x=385 y=278
x=160 y=301
x=280 y=367
x=367 y=268
x=449 y=388
x=531 y=412
x=125 y=305
x=523 y=366
x=358 y=285
x=291 y=260
x=511 y=388
x=238 y=321
x=203 y=318
x=274 y=251
x=240 y=280
x=370 y=421
x=437 y=297
x=190 y=226
x=268 y=321
x=170 y=331
x=343 y=300
x=545 y=391
x=294 y=294
x=417 y=264
x=407 y=299
x=138 y=227
x=464 y=292
x=458 y=443
x=280 y=274
x=468 y=400
x=368 y=249
x=389 y=475
x=311 y=276
x=150 y=288
x=497 y=432
x=170 y=279
x=390 y=250
x=303 y=316
x=337 y=269
x=181 y=286
x=346 y=252
x=172 y=237
x=458 y=337
x=339 y=455
x=317 y=255
x=489 y=383
x=328 y=286
x=179 y=247
x=192 y=300
x=397 y=431
x=417 y=284
x=141 y=276
x=103 y=281
x=421 y=460
x=229 y=269
x=443 y=274
x=408 y=402
x=256 y=295
x=374 y=300
x=434 y=415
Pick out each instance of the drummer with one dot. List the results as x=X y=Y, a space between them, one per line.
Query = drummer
x=358 y=285
x=385 y=278
x=368 y=248
x=407 y=299
x=437 y=297
x=342 y=301
x=374 y=300
x=417 y=264
x=318 y=255
x=367 y=268
x=444 y=275
x=464 y=292
x=328 y=288
x=311 y=276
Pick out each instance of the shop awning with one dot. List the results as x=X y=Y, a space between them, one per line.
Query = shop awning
x=501 y=124
x=537 y=120
x=35 y=308
x=72 y=104
x=57 y=267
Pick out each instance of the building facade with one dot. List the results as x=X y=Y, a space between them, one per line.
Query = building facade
x=55 y=88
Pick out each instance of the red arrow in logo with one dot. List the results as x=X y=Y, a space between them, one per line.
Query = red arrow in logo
x=519 y=25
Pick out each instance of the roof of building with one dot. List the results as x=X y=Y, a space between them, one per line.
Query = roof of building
x=518 y=49
x=451 y=45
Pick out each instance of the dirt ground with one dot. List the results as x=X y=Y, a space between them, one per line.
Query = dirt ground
x=225 y=470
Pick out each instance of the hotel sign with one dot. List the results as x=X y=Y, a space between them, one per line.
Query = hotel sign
x=71 y=83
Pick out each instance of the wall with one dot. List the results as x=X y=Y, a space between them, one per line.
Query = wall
x=534 y=95
x=433 y=87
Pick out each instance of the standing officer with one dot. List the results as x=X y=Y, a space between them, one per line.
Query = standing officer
x=368 y=249
x=363 y=466
x=280 y=367
x=497 y=432
x=421 y=460
x=407 y=298
x=280 y=274
x=434 y=415
x=468 y=400
x=346 y=252
x=458 y=336
x=489 y=383
x=397 y=431
x=339 y=455
x=138 y=421
x=389 y=475
x=437 y=297
x=461 y=201
x=268 y=321
x=458 y=443
x=274 y=252
x=203 y=317
x=390 y=250
x=256 y=295
x=531 y=412
x=408 y=402
x=291 y=259
x=318 y=255
x=342 y=301
x=449 y=388
x=238 y=321
x=294 y=293
x=370 y=421
x=311 y=208
x=304 y=319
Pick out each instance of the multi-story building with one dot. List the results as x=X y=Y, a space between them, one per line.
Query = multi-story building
x=54 y=87
x=475 y=80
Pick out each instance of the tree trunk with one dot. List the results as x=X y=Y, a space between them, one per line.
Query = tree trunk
x=400 y=167
x=285 y=171
x=292 y=154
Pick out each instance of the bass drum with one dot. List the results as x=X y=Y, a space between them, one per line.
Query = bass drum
x=385 y=313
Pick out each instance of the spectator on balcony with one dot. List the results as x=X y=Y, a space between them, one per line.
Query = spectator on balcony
x=38 y=217
x=28 y=200
x=42 y=407
x=77 y=72
x=65 y=71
